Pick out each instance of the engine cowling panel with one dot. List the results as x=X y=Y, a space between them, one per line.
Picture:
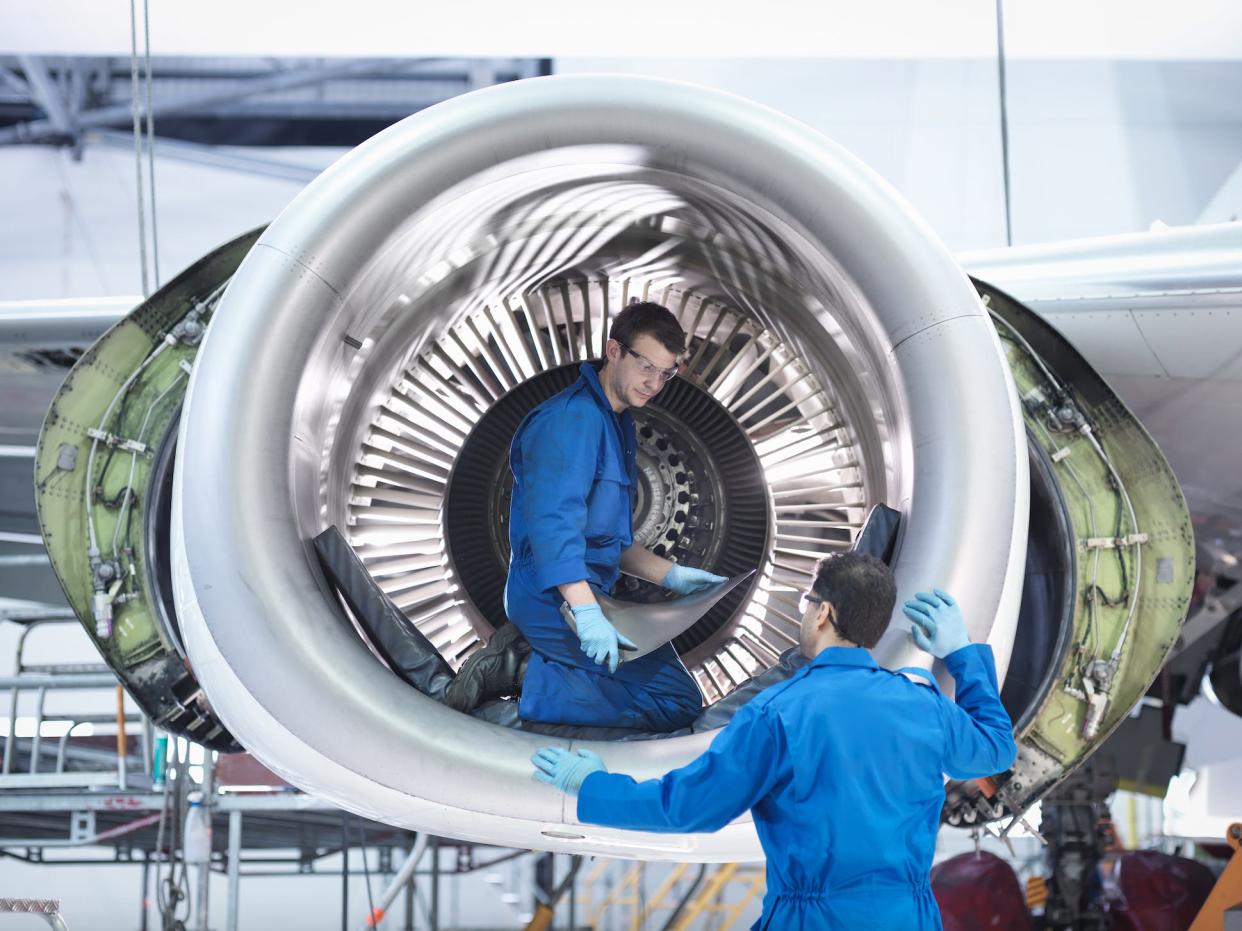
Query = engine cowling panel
x=381 y=338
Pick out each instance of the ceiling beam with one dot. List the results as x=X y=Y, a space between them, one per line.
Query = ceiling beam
x=47 y=96
x=15 y=83
x=43 y=130
x=213 y=157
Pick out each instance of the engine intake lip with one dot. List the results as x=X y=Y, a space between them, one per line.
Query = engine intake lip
x=263 y=416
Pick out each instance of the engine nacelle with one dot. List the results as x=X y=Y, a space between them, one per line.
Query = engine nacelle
x=374 y=351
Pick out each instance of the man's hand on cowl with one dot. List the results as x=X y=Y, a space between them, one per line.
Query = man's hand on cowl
x=939 y=627
x=564 y=770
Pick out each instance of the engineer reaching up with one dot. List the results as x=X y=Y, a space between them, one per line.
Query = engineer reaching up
x=841 y=765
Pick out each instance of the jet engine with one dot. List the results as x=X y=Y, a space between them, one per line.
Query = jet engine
x=364 y=362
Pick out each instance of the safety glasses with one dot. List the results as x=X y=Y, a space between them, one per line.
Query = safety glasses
x=649 y=368
x=806 y=600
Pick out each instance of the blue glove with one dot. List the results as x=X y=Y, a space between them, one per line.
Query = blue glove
x=564 y=770
x=939 y=627
x=598 y=637
x=685 y=580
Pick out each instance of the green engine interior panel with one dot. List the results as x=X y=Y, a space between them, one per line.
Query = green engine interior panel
x=139 y=649
x=1143 y=565
x=144 y=415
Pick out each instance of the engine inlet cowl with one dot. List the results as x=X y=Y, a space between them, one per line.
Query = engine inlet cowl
x=375 y=349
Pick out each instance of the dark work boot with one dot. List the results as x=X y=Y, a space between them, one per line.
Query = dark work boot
x=492 y=671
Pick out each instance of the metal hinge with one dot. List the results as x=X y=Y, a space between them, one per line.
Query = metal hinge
x=1111 y=543
x=111 y=439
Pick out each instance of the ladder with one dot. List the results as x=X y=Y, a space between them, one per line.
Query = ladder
x=722 y=892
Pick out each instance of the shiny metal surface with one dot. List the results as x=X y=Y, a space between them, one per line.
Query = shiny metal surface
x=636 y=188
x=650 y=626
x=430 y=483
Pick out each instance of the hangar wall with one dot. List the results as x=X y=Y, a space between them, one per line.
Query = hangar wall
x=1096 y=147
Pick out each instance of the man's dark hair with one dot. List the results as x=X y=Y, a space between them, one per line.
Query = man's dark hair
x=647 y=318
x=862 y=590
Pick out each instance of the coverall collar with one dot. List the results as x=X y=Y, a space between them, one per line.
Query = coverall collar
x=844 y=656
x=591 y=375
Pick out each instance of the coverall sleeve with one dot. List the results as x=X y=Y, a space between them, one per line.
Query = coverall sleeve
x=740 y=767
x=979 y=734
x=559 y=449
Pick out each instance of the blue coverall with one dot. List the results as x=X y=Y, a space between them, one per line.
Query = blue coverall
x=841 y=766
x=574 y=476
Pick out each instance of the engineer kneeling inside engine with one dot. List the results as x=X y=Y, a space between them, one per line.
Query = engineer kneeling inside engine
x=841 y=765
x=574 y=478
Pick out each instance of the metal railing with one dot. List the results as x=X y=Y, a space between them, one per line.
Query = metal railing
x=44 y=677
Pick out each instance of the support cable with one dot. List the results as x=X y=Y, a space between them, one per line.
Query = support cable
x=137 y=128
x=344 y=871
x=155 y=230
x=1004 y=117
x=366 y=870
